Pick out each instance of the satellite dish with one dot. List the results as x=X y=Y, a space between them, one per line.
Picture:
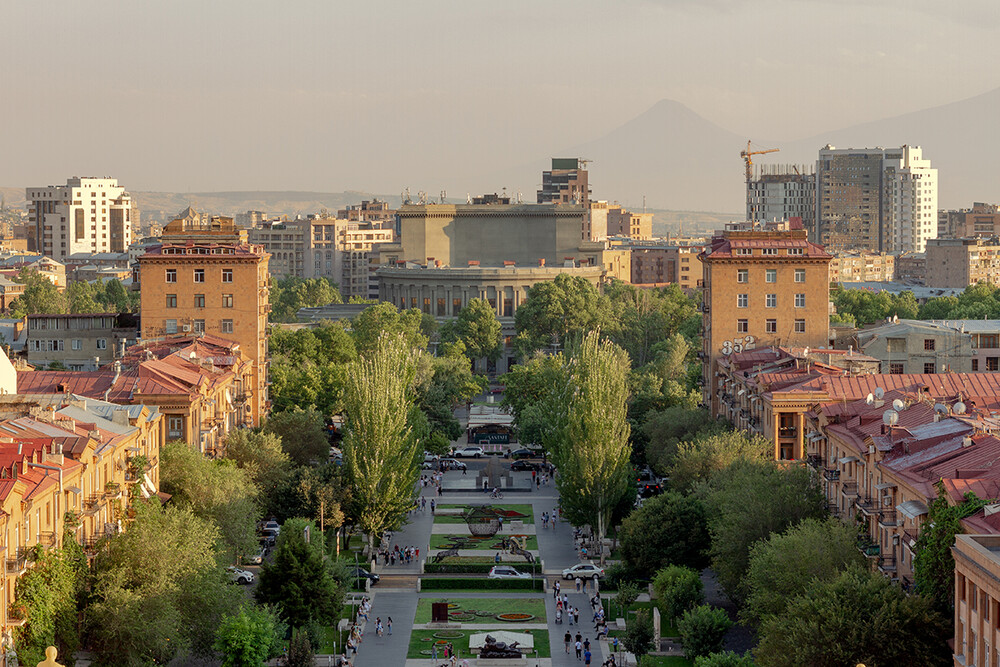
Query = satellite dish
x=890 y=417
x=960 y=408
x=941 y=408
x=879 y=392
x=869 y=399
x=898 y=405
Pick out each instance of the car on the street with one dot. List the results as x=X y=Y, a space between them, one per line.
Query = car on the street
x=272 y=524
x=239 y=575
x=360 y=573
x=429 y=465
x=647 y=484
x=507 y=572
x=430 y=458
x=521 y=464
x=269 y=537
x=257 y=558
x=524 y=453
x=584 y=571
x=469 y=452
x=451 y=464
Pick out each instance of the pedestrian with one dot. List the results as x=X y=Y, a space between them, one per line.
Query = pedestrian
x=565 y=600
x=378 y=626
x=578 y=582
x=614 y=644
x=392 y=558
x=496 y=559
x=579 y=650
x=388 y=625
x=500 y=521
x=567 y=638
x=416 y=554
x=486 y=485
x=569 y=613
x=586 y=656
x=555 y=589
x=434 y=652
x=432 y=506
x=533 y=475
x=586 y=643
x=576 y=615
x=538 y=484
x=423 y=503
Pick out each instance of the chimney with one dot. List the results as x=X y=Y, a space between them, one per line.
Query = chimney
x=120 y=416
x=437 y=263
x=473 y=262
x=508 y=262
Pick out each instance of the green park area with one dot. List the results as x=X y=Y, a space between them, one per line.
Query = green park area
x=422 y=640
x=470 y=542
x=484 y=609
x=527 y=516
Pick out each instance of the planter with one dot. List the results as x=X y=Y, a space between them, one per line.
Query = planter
x=462 y=616
x=515 y=617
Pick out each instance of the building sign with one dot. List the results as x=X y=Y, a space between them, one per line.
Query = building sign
x=738 y=344
x=493 y=438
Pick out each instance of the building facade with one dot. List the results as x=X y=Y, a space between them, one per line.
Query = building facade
x=980 y=220
x=962 y=262
x=854 y=267
x=566 y=183
x=210 y=287
x=977 y=599
x=85 y=215
x=763 y=285
x=664 y=264
x=781 y=192
x=878 y=199
x=621 y=222
x=80 y=342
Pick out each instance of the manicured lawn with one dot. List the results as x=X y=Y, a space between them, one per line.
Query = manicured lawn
x=535 y=606
x=666 y=661
x=492 y=544
x=461 y=644
x=523 y=509
x=668 y=628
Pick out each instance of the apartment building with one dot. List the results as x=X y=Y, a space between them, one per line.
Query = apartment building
x=980 y=220
x=665 y=264
x=962 y=262
x=854 y=267
x=80 y=342
x=621 y=222
x=764 y=284
x=782 y=192
x=878 y=199
x=372 y=211
x=566 y=183
x=208 y=285
x=977 y=596
x=912 y=267
x=85 y=215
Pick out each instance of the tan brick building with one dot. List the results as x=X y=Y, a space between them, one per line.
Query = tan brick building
x=210 y=287
x=862 y=267
x=659 y=265
x=763 y=285
x=621 y=222
x=962 y=262
x=981 y=220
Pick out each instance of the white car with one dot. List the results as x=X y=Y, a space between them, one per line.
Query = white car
x=584 y=571
x=239 y=576
x=470 y=452
x=430 y=458
x=507 y=572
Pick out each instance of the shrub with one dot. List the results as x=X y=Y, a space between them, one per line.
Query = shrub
x=702 y=630
x=724 y=659
x=638 y=636
x=461 y=568
x=615 y=575
x=446 y=584
x=678 y=589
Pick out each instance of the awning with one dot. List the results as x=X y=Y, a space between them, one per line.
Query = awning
x=848 y=459
x=741 y=392
x=812 y=434
x=74 y=489
x=911 y=509
x=818 y=436
x=885 y=485
x=148 y=485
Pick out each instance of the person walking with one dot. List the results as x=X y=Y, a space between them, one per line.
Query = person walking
x=578 y=582
x=579 y=650
x=555 y=589
x=433 y=505
x=586 y=643
x=388 y=626
x=586 y=656
x=576 y=615
x=567 y=638
x=569 y=613
x=378 y=626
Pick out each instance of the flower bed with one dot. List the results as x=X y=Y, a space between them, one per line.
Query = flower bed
x=449 y=634
x=515 y=617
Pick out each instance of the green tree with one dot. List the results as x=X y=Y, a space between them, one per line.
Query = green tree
x=261 y=455
x=724 y=659
x=380 y=454
x=300 y=651
x=40 y=295
x=385 y=319
x=478 y=328
x=46 y=596
x=712 y=451
x=702 y=630
x=214 y=490
x=593 y=457
x=442 y=383
x=647 y=317
x=290 y=294
x=302 y=435
x=299 y=580
x=666 y=429
x=82 y=298
x=669 y=529
x=751 y=500
x=115 y=298
x=678 y=589
x=249 y=638
x=782 y=566
x=638 y=635
x=536 y=395
x=559 y=311
x=628 y=593
x=857 y=617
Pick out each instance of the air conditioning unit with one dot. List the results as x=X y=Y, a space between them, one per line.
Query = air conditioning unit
x=895 y=539
x=186 y=328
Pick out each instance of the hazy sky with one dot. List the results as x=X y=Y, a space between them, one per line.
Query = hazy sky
x=196 y=95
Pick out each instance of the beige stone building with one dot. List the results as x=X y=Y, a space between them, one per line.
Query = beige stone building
x=663 y=264
x=860 y=267
x=85 y=215
x=621 y=222
x=911 y=267
x=977 y=600
x=80 y=342
x=962 y=262
x=980 y=220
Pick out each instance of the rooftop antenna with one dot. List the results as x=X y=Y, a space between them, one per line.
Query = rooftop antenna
x=898 y=405
x=879 y=392
x=869 y=399
x=960 y=408
x=890 y=418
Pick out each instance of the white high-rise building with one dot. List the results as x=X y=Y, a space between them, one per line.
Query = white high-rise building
x=85 y=215
x=879 y=199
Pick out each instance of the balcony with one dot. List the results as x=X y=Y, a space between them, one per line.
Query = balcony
x=868 y=547
x=887 y=564
x=47 y=539
x=849 y=489
x=815 y=461
x=887 y=518
x=787 y=432
x=831 y=474
x=112 y=490
x=19 y=563
x=93 y=504
x=866 y=505
x=16 y=615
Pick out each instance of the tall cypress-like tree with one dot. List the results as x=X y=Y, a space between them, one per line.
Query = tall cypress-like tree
x=380 y=452
x=593 y=457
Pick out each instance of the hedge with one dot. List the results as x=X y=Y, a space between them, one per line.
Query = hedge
x=467 y=568
x=450 y=584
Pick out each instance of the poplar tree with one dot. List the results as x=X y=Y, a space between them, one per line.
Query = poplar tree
x=593 y=457
x=380 y=452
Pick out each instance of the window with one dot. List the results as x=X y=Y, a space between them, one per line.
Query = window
x=742 y=326
x=199 y=326
x=771 y=300
x=508 y=307
x=800 y=326
x=800 y=300
x=171 y=301
x=227 y=300
x=895 y=344
x=77 y=344
x=929 y=368
x=771 y=276
x=199 y=275
x=928 y=343
x=795 y=251
x=441 y=307
x=975 y=365
x=742 y=275
x=170 y=326
x=227 y=326
x=456 y=307
x=992 y=364
x=199 y=300
x=744 y=251
x=175 y=427
x=771 y=326
x=742 y=300
x=427 y=305
x=171 y=275
x=895 y=368
x=227 y=275
x=102 y=343
x=769 y=251
x=800 y=275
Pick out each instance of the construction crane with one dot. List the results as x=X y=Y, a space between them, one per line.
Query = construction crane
x=747 y=156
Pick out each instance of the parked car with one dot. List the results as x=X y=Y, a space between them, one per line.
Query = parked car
x=470 y=452
x=430 y=458
x=451 y=464
x=507 y=572
x=272 y=524
x=257 y=558
x=269 y=537
x=429 y=465
x=524 y=465
x=584 y=571
x=524 y=453
x=239 y=576
x=647 y=484
x=361 y=573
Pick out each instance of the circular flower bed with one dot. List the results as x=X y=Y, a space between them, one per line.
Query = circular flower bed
x=449 y=634
x=461 y=616
x=515 y=617
x=426 y=639
x=453 y=605
x=482 y=614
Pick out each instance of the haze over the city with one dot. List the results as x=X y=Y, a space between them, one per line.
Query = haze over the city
x=470 y=97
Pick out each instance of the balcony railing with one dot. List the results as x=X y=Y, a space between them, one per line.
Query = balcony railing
x=787 y=432
x=16 y=615
x=47 y=538
x=849 y=488
x=868 y=547
x=865 y=504
x=887 y=518
x=887 y=564
x=814 y=461
x=19 y=562
x=831 y=474
x=93 y=504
